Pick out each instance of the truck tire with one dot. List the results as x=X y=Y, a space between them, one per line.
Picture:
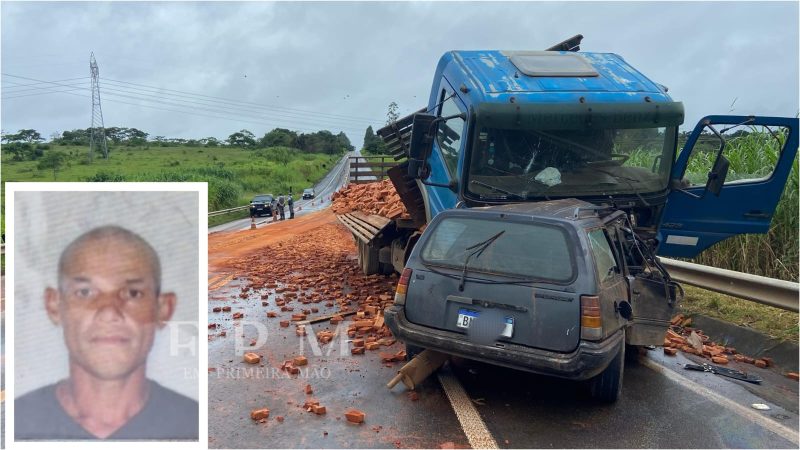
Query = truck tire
x=606 y=386
x=368 y=259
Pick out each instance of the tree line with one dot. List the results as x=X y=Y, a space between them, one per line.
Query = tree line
x=29 y=144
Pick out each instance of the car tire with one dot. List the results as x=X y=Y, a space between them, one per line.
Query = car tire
x=606 y=386
x=412 y=351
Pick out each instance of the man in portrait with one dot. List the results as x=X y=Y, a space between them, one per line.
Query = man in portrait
x=109 y=304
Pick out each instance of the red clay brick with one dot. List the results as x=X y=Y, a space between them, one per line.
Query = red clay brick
x=259 y=414
x=355 y=416
x=719 y=360
x=793 y=375
x=761 y=363
x=300 y=360
x=357 y=351
x=226 y=308
x=670 y=351
x=308 y=390
x=251 y=358
x=216 y=309
x=284 y=324
x=318 y=410
x=238 y=315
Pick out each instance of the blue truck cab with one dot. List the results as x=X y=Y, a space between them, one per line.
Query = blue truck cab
x=518 y=126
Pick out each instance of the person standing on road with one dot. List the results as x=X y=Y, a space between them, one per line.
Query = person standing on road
x=274 y=208
x=290 y=202
x=281 y=206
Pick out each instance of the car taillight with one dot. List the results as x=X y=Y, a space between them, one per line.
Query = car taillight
x=591 y=319
x=402 y=287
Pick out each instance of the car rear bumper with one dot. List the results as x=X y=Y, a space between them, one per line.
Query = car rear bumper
x=588 y=360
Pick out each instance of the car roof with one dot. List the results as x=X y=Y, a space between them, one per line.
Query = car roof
x=568 y=209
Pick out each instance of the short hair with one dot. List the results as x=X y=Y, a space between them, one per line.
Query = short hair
x=117 y=233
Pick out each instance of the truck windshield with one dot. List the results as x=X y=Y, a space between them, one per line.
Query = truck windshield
x=533 y=163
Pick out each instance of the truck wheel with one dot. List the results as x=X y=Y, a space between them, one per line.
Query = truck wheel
x=412 y=351
x=606 y=386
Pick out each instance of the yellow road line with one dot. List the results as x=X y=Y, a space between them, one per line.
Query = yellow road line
x=219 y=283
x=469 y=418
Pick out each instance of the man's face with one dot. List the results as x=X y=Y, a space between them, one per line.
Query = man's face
x=108 y=306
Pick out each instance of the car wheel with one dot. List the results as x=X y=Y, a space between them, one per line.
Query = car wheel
x=606 y=386
x=412 y=351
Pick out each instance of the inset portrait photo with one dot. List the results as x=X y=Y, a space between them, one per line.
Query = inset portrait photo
x=104 y=294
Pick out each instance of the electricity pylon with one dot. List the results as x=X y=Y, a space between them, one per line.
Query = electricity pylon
x=98 y=135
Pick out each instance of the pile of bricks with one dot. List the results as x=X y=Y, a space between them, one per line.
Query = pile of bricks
x=682 y=337
x=378 y=198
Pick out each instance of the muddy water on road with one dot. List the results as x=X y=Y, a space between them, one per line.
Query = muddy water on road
x=310 y=264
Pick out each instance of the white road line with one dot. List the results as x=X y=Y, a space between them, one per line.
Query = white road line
x=777 y=428
x=471 y=422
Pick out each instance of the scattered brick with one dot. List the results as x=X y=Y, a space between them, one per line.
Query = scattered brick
x=308 y=390
x=226 y=308
x=318 y=410
x=216 y=309
x=238 y=315
x=793 y=375
x=761 y=363
x=251 y=358
x=719 y=360
x=284 y=324
x=670 y=351
x=259 y=414
x=357 y=351
x=300 y=360
x=354 y=416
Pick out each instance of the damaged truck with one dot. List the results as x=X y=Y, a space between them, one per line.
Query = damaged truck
x=540 y=187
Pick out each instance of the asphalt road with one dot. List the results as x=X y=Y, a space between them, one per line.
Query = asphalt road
x=662 y=405
x=335 y=179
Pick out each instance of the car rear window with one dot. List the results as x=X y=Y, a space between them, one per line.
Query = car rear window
x=524 y=249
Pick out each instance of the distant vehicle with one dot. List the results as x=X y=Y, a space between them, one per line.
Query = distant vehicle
x=308 y=193
x=261 y=205
x=539 y=287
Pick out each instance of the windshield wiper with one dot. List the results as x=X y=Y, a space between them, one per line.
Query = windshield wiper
x=496 y=189
x=628 y=181
x=477 y=250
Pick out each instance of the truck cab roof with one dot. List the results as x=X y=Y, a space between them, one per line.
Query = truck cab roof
x=500 y=75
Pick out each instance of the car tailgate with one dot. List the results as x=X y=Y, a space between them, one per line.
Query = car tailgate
x=544 y=316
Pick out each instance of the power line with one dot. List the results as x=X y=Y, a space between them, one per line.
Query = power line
x=214 y=103
x=244 y=102
x=168 y=104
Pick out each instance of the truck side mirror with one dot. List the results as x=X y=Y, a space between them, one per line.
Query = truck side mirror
x=716 y=178
x=421 y=144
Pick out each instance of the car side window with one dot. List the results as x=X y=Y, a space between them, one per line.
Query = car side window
x=603 y=256
x=449 y=133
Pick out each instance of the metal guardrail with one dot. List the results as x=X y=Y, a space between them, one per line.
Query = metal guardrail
x=767 y=291
x=225 y=211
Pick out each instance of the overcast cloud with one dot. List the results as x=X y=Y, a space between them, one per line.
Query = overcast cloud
x=337 y=66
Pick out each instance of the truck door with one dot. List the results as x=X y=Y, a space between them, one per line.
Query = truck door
x=447 y=148
x=727 y=181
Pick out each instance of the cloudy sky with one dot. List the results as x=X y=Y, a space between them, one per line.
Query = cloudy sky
x=198 y=69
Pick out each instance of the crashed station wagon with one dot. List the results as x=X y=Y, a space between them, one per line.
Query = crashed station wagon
x=539 y=287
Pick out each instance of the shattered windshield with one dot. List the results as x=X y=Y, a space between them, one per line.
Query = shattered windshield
x=515 y=164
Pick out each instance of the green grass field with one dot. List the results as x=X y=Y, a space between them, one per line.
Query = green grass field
x=234 y=175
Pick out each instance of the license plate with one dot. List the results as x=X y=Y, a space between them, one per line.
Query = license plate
x=466 y=316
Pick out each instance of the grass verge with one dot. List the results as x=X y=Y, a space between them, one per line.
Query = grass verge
x=774 y=322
